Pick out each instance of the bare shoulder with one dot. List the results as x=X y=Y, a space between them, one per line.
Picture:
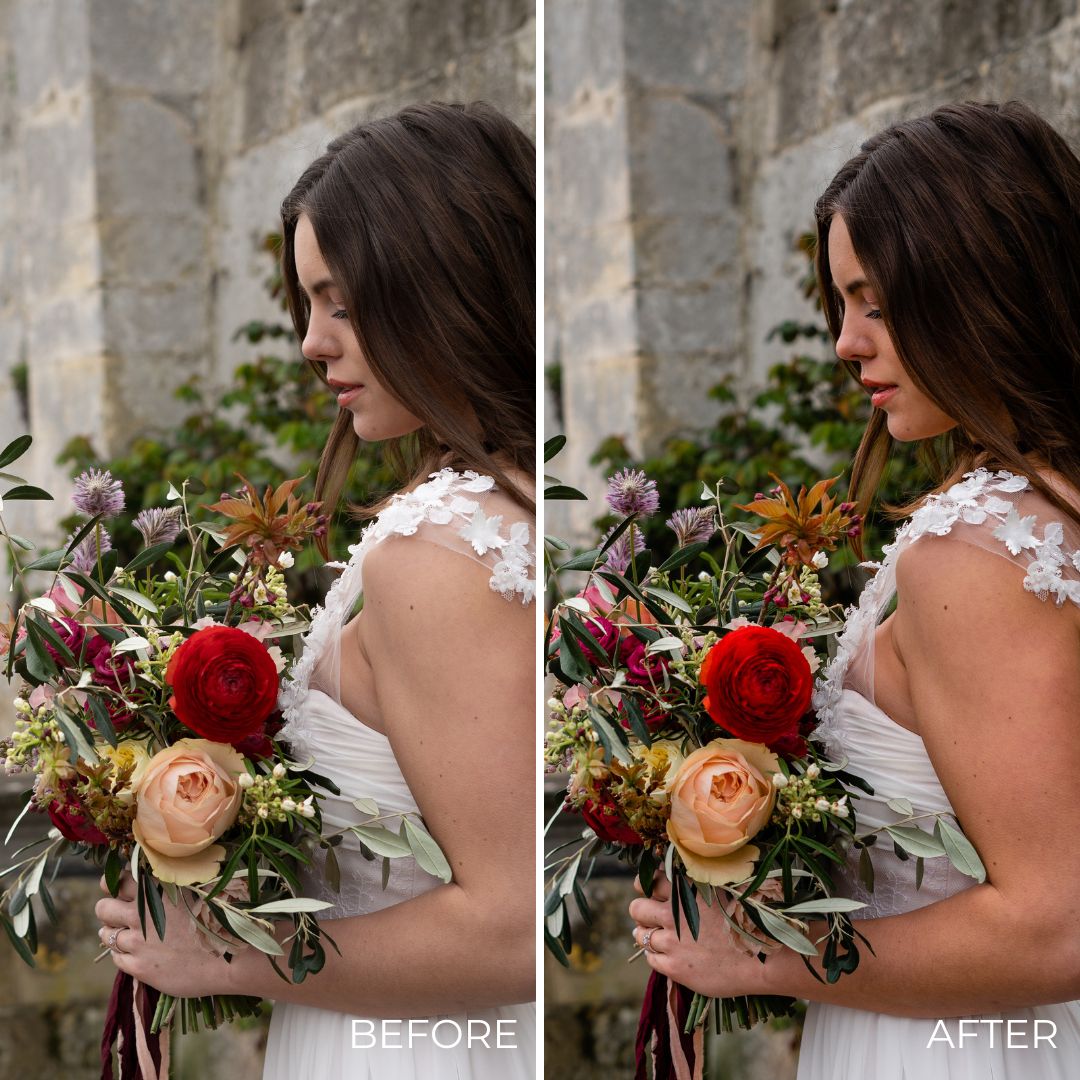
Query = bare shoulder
x=962 y=605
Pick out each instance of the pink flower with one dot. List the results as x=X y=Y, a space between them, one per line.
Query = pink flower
x=111 y=668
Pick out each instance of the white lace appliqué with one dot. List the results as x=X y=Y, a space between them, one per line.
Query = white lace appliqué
x=977 y=499
x=441 y=500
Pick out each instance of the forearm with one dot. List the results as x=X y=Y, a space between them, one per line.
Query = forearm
x=972 y=953
x=441 y=952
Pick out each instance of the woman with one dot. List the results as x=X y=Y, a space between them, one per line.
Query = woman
x=409 y=262
x=949 y=266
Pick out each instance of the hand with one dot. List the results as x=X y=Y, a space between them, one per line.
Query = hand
x=180 y=965
x=713 y=965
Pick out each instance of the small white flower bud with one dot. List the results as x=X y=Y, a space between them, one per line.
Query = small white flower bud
x=703 y=575
x=796 y=811
x=288 y=804
x=306 y=810
x=169 y=575
x=779 y=780
x=279 y=771
x=553 y=703
x=263 y=812
x=813 y=770
x=822 y=805
x=54 y=833
x=285 y=560
x=821 y=560
x=245 y=780
x=839 y=810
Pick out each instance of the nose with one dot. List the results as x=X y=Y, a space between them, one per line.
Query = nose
x=852 y=344
x=319 y=343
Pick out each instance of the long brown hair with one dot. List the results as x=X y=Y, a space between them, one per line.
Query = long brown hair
x=966 y=222
x=426 y=220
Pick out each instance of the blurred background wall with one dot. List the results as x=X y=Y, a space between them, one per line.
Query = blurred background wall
x=686 y=143
x=145 y=146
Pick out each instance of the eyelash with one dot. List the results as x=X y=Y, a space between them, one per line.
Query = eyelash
x=875 y=314
x=341 y=313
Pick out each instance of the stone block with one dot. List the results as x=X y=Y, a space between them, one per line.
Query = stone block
x=145 y=321
x=59 y=258
x=593 y=177
x=57 y=173
x=697 y=46
x=152 y=47
x=680 y=158
x=147 y=159
x=685 y=250
x=152 y=250
x=263 y=87
x=583 y=49
x=51 y=46
x=591 y=264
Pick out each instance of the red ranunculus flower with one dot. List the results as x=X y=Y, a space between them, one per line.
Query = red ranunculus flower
x=224 y=682
x=758 y=684
x=604 y=819
x=74 y=822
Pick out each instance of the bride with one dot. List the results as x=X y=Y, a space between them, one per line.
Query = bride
x=949 y=266
x=409 y=265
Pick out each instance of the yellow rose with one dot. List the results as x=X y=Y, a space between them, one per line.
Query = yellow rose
x=721 y=797
x=188 y=796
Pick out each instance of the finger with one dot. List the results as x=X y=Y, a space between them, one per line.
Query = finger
x=637 y=887
x=651 y=913
x=661 y=889
x=116 y=912
x=128 y=890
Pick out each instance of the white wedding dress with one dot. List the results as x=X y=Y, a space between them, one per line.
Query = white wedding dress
x=1002 y=513
x=459 y=511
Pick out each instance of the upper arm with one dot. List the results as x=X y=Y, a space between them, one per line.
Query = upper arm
x=454 y=667
x=994 y=676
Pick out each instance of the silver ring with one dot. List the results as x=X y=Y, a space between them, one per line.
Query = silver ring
x=111 y=946
x=647 y=937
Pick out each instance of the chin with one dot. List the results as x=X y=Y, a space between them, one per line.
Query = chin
x=907 y=429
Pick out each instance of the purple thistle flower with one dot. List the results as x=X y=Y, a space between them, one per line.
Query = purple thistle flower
x=693 y=525
x=617 y=557
x=630 y=491
x=96 y=492
x=84 y=557
x=158 y=526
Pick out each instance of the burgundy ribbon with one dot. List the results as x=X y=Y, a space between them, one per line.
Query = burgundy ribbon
x=675 y=1055
x=122 y=1022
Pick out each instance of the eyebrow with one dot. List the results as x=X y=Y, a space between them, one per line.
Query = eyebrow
x=318 y=288
x=852 y=287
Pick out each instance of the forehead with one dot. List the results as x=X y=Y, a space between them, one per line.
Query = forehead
x=310 y=265
x=841 y=253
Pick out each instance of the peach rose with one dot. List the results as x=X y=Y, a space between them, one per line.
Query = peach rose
x=721 y=797
x=187 y=797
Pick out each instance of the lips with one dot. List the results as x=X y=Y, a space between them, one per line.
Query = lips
x=880 y=392
x=345 y=391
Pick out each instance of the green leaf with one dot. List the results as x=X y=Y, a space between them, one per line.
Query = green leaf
x=556 y=542
x=21 y=542
x=39 y=663
x=920 y=866
x=551 y=447
x=157 y=908
x=27 y=492
x=20 y=945
x=824 y=905
x=42 y=627
x=682 y=556
x=17 y=447
x=915 y=840
x=564 y=493
x=147 y=556
x=76 y=735
x=381 y=840
x=612 y=738
x=252 y=933
x=960 y=851
x=866 y=869
x=114 y=866
x=294 y=903
x=428 y=854
x=585 y=561
x=900 y=806
x=689 y=903
x=51 y=560
x=366 y=806
x=135 y=598
x=668 y=597
x=784 y=932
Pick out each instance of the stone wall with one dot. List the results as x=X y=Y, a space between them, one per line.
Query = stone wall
x=145 y=147
x=686 y=145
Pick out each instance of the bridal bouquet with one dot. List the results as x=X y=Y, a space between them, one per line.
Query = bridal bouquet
x=145 y=722
x=682 y=716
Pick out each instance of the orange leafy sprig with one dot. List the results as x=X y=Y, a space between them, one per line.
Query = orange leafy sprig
x=804 y=525
x=272 y=524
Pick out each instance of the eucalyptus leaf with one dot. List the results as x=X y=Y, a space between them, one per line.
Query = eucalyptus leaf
x=566 y=881
x=551 y=447
x=668 y=597
x=381 y=840
x=294 y=903
x=915 y=840
x=252 y=933
x=136 y=598
x=824 y=906
x=783 y=931
x=900 y=806
x=428 y=854
x=366 y=806
x=15 y=450
x=960 y=851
